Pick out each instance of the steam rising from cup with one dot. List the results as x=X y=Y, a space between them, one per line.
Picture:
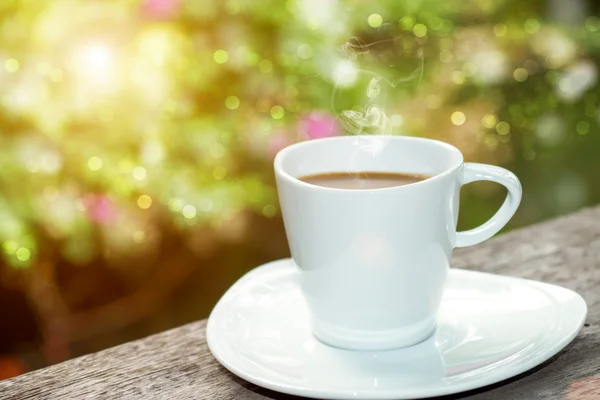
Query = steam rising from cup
x=370 y=119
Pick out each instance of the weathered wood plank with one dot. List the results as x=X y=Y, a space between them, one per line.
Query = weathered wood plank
x=177 y=364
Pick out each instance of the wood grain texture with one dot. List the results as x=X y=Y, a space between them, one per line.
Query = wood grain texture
x=178 y=365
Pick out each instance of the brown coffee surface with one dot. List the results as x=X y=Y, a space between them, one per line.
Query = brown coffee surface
x=362 y=180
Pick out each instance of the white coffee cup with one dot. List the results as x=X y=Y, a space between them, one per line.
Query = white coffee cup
x=373 y=262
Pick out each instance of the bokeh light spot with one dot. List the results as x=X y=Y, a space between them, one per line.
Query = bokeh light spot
x=500 y=30
x=529 y=154
x=144 y=202
x=591 y=110
x=502 y=128
x=189 y=211
x=10 y=246
x=175 y=205
x=520 y=74
x=407 y=23
x=458 y=118
x=232 y=102
x=139 y=173
x=265 y=66
x=219 y=172
x=221 y=56
x=277 y=112
x=489 y=121
x=446 y=56
x=532 y=25
x=94 y=63
x=583 y=127
x=375 y=20
x=458 y=77
x=205 y=205
x=551 y=76
x=531 y=66
x=490 y=140
x=269 y=210
x=592 y=23
x=504 y=138
x=11 y=65
x=420 y=30
x=94 y=163
x=344 y=73
x=23 y=254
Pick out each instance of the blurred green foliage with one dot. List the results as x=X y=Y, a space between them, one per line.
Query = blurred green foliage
x=120 y=120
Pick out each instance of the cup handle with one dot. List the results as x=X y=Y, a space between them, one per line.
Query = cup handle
x=482 y=172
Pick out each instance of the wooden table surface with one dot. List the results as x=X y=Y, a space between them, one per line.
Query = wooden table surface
x=178 y=365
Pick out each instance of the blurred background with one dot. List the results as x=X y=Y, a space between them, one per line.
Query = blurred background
x=137 y=136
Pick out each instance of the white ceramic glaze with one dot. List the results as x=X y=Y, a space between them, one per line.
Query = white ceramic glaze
x=490 y=328
x=374 y=262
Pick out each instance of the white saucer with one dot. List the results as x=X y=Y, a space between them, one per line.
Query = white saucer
x=490 y=328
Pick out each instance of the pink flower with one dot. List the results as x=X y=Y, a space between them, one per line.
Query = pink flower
x=318 y=125
x=163 y=9
x=99 y=208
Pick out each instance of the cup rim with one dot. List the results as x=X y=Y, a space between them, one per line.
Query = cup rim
x=279 y=170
